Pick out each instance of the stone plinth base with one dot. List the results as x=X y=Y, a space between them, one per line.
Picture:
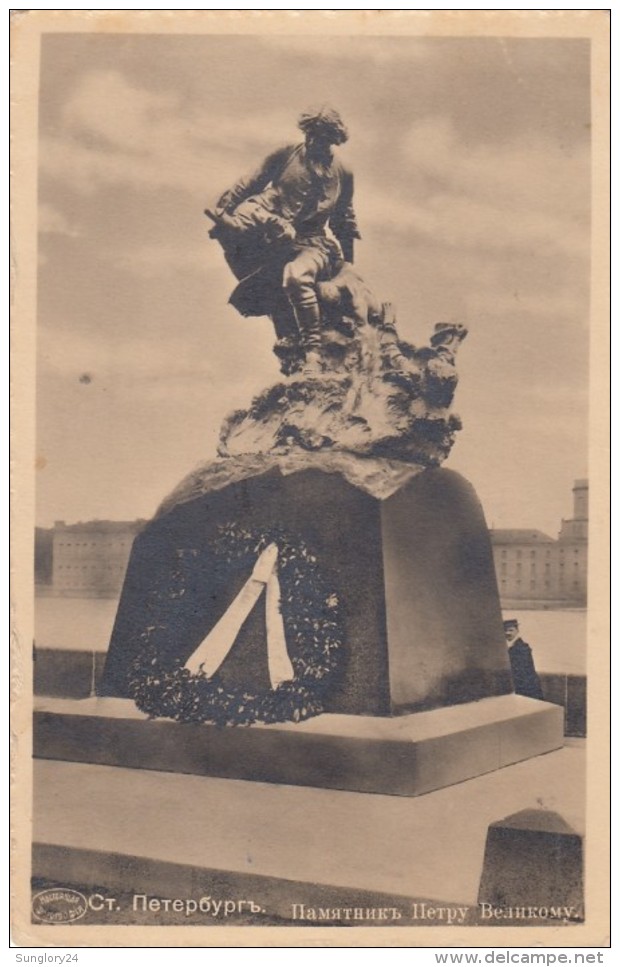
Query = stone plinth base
x=533 y=858
x=404 y=756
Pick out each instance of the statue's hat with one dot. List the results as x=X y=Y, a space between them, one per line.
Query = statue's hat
x=325 y=119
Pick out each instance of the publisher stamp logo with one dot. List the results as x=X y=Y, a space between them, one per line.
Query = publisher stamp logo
x=59 y=906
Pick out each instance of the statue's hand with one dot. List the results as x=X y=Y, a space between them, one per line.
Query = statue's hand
x=279 y=230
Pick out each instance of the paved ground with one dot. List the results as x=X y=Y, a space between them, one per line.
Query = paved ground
x=430 y=846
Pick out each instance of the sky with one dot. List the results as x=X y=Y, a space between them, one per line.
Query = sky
x=472 y=190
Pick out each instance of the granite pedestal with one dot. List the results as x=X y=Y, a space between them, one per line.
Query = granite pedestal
x=413 y=572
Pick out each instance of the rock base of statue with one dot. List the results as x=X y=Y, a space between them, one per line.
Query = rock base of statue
x=375 y=396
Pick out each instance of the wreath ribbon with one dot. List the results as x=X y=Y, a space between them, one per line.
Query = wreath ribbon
x=213 y=650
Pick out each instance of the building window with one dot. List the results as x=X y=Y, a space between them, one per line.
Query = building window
x=518 y=553
x=532 y=553
x=532 y=585
x=503 y=568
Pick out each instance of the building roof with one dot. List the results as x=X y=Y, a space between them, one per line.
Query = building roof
x=520 y=535
x=100 y=526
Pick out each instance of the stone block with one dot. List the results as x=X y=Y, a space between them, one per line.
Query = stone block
x=407 y=755
x=533 y=858
x=531 y=733
x=413 y=572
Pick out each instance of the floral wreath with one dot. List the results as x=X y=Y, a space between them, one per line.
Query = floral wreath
x=163 y=687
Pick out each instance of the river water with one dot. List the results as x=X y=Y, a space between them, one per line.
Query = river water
x=558 y=638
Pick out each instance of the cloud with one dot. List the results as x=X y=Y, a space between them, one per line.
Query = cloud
x=152 y=260
x=497 y=198
x=124 y=115
x=87 y=170
x=115 y=133
x=533 y=172
x=512 y=195
x=465 y=222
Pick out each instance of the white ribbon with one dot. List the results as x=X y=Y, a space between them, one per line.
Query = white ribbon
x=213 y=650
x=280 y=667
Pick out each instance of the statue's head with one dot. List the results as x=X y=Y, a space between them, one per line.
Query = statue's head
x=323 y=123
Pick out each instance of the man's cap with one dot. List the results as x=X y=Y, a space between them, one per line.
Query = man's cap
x=511 y=623
x=324 y=120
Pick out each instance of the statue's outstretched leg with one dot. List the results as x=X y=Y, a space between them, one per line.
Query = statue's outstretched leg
x=300 y=278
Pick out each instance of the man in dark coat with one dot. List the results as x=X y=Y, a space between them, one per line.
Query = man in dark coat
x=526 y=681
x=297 y=193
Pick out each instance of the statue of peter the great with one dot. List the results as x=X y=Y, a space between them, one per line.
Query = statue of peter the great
x=274 y=225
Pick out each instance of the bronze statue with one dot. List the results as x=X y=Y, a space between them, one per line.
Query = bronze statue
x=273 y=228
x=288 y=232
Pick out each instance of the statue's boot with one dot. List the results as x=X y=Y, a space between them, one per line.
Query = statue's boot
x=309 y=322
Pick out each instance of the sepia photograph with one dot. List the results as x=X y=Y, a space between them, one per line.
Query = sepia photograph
x=310 y=586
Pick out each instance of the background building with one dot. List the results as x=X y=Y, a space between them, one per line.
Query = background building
x=91 y=558
x=536 y=570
